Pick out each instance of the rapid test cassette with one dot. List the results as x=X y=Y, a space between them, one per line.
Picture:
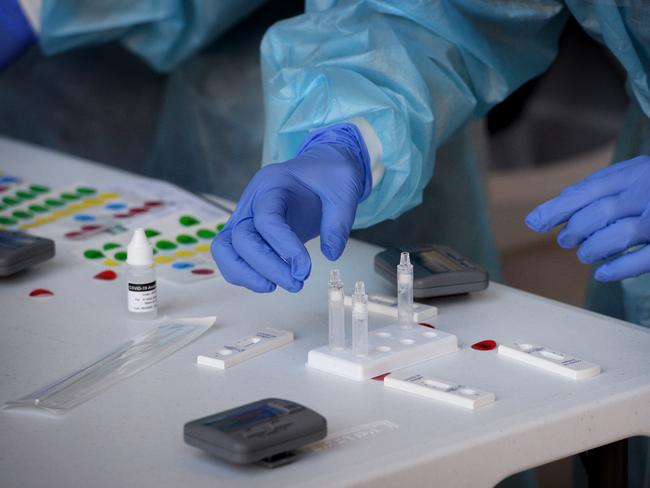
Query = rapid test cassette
x=553 y=361
x=389 y=348
x=387 y=305
x=443 y=391
x=246 y=348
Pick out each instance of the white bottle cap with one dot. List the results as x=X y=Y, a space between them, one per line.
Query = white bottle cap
x=139 y=252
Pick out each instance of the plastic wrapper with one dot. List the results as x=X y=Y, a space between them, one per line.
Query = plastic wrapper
x=129 y=358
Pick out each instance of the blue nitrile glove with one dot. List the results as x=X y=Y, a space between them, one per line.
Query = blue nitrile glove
x=16 y=34
x=289 y=203
x=606 y=213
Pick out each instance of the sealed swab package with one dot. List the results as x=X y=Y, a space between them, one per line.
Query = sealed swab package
x=126 y=360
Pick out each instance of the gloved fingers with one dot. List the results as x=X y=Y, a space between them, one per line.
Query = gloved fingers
x=336 y=225
x=575 y=197
x=596 y=216
x=615 y=238
x=270 y=220
x=250 y=245
x=631 y=264
x=233 y=268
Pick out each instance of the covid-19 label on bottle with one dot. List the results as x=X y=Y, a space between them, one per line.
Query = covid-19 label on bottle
x=142 y=297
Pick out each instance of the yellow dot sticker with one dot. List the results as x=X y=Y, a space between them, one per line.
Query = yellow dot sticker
x=202 y=248
x=164 y=259
x=111 y=262
x=92 y=201
x=107 y=196
x=185 y=254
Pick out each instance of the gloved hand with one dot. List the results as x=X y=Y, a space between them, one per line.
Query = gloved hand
x=606 y=213
x=15 y=32
x=289 y=203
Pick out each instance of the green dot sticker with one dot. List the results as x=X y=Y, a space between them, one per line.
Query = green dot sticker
x=165 y=245
x=93 y=254
x=25 y=195
x=53 y=202
x=39 y=189
x=151 y=233
x=220 y=227
x=38 y=209
x=120 y=256
x=185 y=239
x=69 y=196
x=7 y=220
x=10 y=201
x=84 y=190
x=111 y=245
x=21 y=214
x=205 y=233
x=188 y=220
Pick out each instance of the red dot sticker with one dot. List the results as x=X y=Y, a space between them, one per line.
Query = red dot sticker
x=107 y=275
x=73 y=234
x=203 y=271
x=41 y=292
x=380 y=377
x=153 y=204
x=122 y=215
x=486 y=345
x=424 y=324
x=138 y=210
x=88 y=228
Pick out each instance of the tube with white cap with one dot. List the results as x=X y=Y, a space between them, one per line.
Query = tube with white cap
x=405 y=291
x=141 y=277
x=336 y=311
x=360 y=320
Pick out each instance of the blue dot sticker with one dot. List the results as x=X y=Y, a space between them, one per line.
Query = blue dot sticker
x=116 y=206
x=9 y=179
x=84 y=217
x=182 y=265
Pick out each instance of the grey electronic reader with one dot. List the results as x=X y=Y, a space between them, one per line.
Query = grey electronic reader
x=266 y=431
x=19 y=251
x=437 y=270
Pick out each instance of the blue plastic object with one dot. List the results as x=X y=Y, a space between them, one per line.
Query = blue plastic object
x=606 y=213
x=16 y=34
x=286 y=204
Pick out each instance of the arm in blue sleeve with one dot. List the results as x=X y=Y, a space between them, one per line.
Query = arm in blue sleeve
x=163 y=32
x=416 y=71
x=16 y=35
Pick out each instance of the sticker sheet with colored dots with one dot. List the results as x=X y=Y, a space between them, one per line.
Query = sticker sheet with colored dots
x=181 y=244
x=77 y=212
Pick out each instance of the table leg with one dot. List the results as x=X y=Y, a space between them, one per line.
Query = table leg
x=606 y=466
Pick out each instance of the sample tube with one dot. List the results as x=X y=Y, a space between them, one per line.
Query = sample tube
x=405 y=291
x=336 y=311
x=360 y=320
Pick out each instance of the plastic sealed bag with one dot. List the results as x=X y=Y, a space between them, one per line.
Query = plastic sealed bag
x=126 y=360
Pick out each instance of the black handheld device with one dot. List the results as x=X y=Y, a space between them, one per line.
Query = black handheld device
x=437 y=270
x=19 y=250
x=266 y=431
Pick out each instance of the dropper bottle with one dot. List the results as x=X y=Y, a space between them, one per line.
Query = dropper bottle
x=405 y=291
x=141 y=278
x=360 y=320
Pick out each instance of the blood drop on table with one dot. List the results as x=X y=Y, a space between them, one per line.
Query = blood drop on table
x=106 y=275
x=486 y=345
x=41 y=292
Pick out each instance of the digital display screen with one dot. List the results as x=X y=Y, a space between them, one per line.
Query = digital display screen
x=246 y=417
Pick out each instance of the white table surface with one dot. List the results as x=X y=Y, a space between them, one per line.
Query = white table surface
x=131 y=434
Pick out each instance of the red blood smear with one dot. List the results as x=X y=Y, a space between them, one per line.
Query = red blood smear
x=122 y=215
x=486 y=345
x=153 y=204
x=380 y=377
x=424 y=324
x=107 y=275
x=90 y=227
x=41 y=292
x=203 y=271
x=138 y=210
x=73 y=234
